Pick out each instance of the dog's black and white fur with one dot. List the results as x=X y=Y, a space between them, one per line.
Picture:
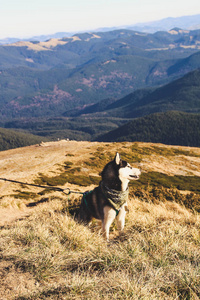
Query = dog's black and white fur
x=95 y=204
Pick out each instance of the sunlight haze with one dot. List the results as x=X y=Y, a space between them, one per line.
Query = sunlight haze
x=28 y=18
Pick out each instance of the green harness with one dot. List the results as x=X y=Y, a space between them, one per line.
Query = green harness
x=114 y=197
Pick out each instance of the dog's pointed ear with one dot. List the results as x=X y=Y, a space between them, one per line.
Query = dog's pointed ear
x=117 y=158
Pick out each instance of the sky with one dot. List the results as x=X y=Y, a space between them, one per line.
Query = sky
x=27 y=18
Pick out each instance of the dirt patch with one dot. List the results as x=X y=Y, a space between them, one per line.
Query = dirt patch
x=14 y=283
x=9 y=215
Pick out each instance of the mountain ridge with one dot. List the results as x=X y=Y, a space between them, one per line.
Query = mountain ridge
x=170 y=128
x=185 y=22
x=190 y=22
x=181 y=94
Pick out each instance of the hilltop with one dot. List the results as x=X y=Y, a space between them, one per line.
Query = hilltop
x=171 y=128
x=45 y=253
x=10 y=139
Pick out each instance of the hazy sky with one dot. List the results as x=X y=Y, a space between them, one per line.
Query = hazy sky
x=26 y=18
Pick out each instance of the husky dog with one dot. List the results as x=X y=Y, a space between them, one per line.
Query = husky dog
x=109 y=200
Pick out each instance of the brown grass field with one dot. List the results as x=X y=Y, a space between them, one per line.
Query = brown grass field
x=46 y=254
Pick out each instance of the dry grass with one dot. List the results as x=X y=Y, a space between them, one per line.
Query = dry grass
x=40 y=46
x=46 y=254
x=157 y=256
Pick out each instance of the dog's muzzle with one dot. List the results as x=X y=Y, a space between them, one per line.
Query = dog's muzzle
x=135 y=176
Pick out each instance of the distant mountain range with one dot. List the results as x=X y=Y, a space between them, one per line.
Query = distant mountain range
x=54 y=77
x=39 y=38
x=89 y=84
x=184 y=22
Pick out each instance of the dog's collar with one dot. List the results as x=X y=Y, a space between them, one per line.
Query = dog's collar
x=114 y=197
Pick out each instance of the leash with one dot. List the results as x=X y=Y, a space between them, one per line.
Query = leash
x=55 y=188
x=45 y=187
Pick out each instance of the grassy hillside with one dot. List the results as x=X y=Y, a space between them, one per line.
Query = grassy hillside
x=10 y=139
x=111 y=106
x=172 y=128
x=181 y=95
x=46 y=254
